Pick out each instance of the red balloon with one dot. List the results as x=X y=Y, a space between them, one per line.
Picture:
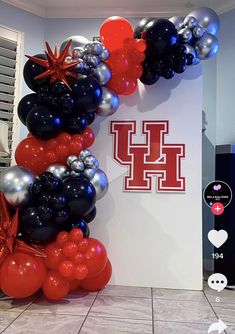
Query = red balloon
x=95 y=257
x=136 y=56
x=140 y=45
x=118 y=83
x=54 y=256
x=135 y=71
x=131 y=87
x=75 y=147
x=55 y=287
x=66 y=269
x=118 y=62
x=73 y=285
x=88 y=137
x=22 y=275
x=114 y=31
x=99 y=281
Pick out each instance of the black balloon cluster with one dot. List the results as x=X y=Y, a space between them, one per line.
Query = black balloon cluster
x=55 y=108
x=58 y=206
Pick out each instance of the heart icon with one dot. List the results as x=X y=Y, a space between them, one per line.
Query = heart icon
x=217 y=187
x=217 y=238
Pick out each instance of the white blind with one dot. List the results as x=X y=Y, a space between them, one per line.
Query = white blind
x=10 y=57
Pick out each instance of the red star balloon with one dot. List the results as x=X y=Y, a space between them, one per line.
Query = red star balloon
x=9 y=231
x=56 y=66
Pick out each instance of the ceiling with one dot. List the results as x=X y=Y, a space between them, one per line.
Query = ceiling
x=128 y=8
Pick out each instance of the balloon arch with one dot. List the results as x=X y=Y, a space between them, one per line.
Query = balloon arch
x=48 y=200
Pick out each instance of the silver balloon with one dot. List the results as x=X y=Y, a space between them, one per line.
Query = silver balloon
x=70 y=159
x=77 y=41
x=101 y=183
x=104 y=54
x=80 y=66
x=102 y=73
x=207 y=46
x=207 y=18
x=84 y=153
x=89 y=173
x=59 y=171
x=178 y=21
x=77 y=165
x=96 y=48
x=90 y=161
x=87 y=48
x=198 y=31
x=186 y=34
x=14 y=183
x=190 y=22
x=92 y=60
x=74 y=174
x=109 y=103
x=190 y=49
x=78 y=52
x=69 y=59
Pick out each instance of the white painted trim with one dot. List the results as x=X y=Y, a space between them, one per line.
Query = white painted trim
x=28 y=7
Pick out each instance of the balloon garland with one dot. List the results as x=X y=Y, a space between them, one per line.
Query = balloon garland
x=48 y=200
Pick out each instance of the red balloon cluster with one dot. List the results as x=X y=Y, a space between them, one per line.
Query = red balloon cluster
x=126 y=54
x=37 y=155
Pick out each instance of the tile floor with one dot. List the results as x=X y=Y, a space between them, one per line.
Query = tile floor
x=119 y=309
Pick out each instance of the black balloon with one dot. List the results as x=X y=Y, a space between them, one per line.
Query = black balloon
x=61 y=217
x=51 y=183
x=139 y=28
x=25 y=105
x=31 y=70
x=45 y=212
x=74 y=123
x=66 y=103
x=90 y=216
x=37 y=188
x=149 y=77
x=36 y=230
x=43 y=123
x=87 y=92
x=59 y=88
x=90 y=117
x=160 y=35
x=81 y=224
x=80 y=195
x=58 y=201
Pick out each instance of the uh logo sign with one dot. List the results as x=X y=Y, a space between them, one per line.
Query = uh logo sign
x=153 y=158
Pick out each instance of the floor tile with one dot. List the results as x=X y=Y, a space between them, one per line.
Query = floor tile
x=122 y=307
x=6 y=318
x=16 y=304
x=226 y=312
x=116 y=326
x=161 y=327
x=172 y=294
x=74 y=304
x=125 y=291
x=230 y=329
x=41 y=324
x=226 y=296
x=183 y=311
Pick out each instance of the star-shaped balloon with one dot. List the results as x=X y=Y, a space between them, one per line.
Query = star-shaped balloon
x=56 y=65
x=9 y=241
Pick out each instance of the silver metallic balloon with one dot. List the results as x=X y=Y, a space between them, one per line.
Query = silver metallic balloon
x=77 y=41
x=84 y=153
x=70 y=159
x=92 y=60
x=198 y=31
x=87 y=48
x=102 y=73
x=89 y=173
x=96 y=48
x=109 y=103
x=58 y=170
x=14 y=183
x=207 y=18
x=186 y=34
x=207 y=46
x=90 y=161
x=190 y=49
x=178 y=21
x=74 y=174
x=80 y=66
x=77 y=165
x=69 y=59
x=104 y=54
x=190 y=22
x=101 y=183
x=78 y=52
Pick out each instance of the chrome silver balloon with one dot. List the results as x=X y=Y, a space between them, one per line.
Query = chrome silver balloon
x=90 y=161
x=70 y=159
x=58 y=170
x=198 y=31
x=92 y=60
x=207 y=18
x=190 y=49
x=101 y=183
x=89 y=173
x=69 y=59
x=87 y=48
x=178 y=21
x=77 y=165
x=77 y=41
x=190 y=22
x=74 y=174
x=109 y=103
x=84 y=153
x=186 y=34
x=15 y=183
x=96 y=48
x=207 y=46
x=80 y=66
x=104 y=54
x=78 y=52
x=102 y=73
